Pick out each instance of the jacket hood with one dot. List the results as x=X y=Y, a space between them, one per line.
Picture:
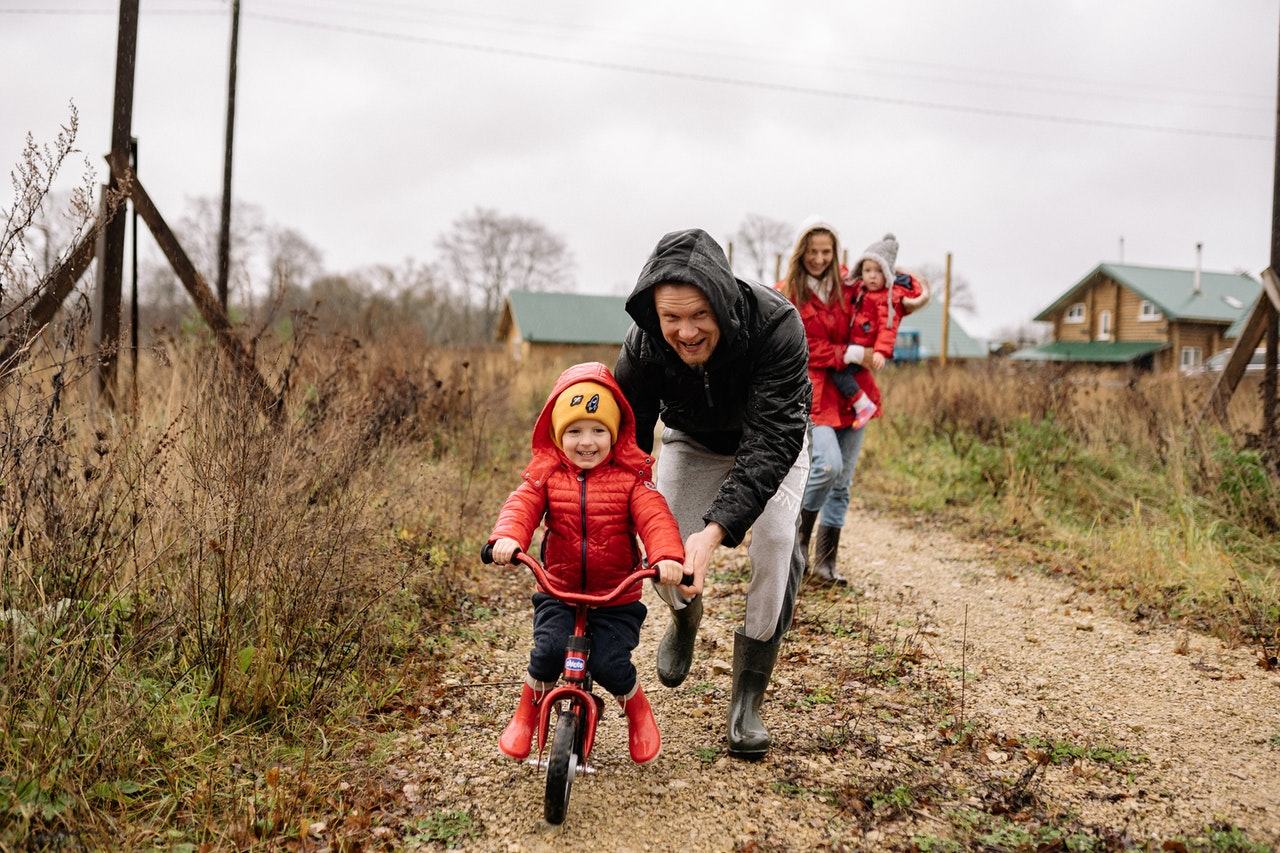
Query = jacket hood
x=814 y=222
x=687 y=257
x=625 y=451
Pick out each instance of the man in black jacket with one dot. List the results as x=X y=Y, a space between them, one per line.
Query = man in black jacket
x=725 y=364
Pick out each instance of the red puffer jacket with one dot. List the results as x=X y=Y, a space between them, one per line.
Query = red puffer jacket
x=826 y=329
x=609 y=503
x=858 y=316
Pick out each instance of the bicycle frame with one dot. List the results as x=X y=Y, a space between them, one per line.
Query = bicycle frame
x=577 y=650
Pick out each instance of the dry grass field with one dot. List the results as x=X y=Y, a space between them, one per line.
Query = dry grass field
x=204 y=612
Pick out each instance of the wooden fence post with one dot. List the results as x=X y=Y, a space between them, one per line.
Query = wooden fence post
x=946 y=312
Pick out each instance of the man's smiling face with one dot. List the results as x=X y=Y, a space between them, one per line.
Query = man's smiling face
x=688 y=323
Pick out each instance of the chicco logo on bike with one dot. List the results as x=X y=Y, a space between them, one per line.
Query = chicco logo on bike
x=575 y=664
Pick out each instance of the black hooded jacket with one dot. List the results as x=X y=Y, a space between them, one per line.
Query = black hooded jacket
x=750 y=400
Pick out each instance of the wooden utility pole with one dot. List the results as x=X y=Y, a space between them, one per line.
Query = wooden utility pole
x=946 y=312
x=1273 y=314
x=59 y=282
x=133 y=289
x=224 y=234
x=106 y=302
x=730 y=254
x=1262 y=323
x=777 y=267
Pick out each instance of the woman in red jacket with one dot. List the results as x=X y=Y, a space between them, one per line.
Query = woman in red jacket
x=591 y=482
x=842 y=357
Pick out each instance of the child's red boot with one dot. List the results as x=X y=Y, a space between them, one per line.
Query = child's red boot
x=518 y=735
x=863 y=410
x=643 y=736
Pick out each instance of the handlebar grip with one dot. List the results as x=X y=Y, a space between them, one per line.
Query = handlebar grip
x=486 y=553
x=686 y=579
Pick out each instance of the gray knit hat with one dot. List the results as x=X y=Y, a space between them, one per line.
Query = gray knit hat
x=885 y=253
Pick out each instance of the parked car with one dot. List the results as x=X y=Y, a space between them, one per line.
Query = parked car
x=1217 y=362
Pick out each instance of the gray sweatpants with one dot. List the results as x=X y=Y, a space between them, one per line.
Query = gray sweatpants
x=689 y=476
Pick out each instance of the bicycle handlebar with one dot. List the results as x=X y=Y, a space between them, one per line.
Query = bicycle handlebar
x=651 y=572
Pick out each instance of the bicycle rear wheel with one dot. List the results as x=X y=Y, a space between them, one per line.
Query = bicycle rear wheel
x=562 y=765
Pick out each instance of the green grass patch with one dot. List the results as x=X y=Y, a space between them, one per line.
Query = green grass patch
x=1105 y=483
x=450 y=828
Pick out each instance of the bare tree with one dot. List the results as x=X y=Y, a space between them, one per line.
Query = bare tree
x=962 y=298
x=198 y=230
x=487 y=254
x=761 y=239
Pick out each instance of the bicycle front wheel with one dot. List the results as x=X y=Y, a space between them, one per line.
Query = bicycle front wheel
x=562 y=764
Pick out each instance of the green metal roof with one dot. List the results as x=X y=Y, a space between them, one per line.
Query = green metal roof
x=569 y=318
x=927 y=321
x=1238 y=325
x=1104 y=352
x=1223 y=297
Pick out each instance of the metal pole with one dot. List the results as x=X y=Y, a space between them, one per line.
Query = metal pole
x=946 y=312
x=224 y=235
x=133 y=289
x=111 y=247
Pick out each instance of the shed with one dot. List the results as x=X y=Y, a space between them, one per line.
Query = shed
x=925 y=324
x=578 y=326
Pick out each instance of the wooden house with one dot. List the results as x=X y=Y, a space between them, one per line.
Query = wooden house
x=1157 y=318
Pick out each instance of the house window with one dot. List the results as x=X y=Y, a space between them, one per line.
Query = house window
x=1190 y=357
x=1148 y=311
x=1075 y=314
x=1104 y=325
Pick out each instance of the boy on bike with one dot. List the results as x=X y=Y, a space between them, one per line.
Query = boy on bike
x=590 y=481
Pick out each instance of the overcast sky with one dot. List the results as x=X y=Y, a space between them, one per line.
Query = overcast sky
x=1021 y=136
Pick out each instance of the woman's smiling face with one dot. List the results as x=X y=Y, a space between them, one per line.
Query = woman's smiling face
x=819 y=252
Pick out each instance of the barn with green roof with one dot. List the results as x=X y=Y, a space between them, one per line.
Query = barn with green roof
x=563 y=326
x=1161 y=318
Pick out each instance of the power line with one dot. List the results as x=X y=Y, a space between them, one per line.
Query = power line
x=763 y=52
x=112 y=12
x=753 y=84
x=515 y=26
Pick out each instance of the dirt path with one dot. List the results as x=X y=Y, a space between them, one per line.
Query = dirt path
x=1082 y=730
x=1049 y=656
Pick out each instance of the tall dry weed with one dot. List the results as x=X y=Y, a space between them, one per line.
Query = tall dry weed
x=1106 y=474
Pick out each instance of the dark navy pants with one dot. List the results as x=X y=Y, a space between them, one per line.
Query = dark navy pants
x=614 y=633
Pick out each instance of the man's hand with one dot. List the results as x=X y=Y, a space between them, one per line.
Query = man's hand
x=877 y=361
x=670 y=572
x=697 y=556
x=503 y=550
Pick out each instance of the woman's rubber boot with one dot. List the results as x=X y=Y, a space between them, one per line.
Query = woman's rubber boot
x=643 y=737
x=675 y=652
x=804 y=531
x=824 y=555
x=753 y=662
x=518 y=735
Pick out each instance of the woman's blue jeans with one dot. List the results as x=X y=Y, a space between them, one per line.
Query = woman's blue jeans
x=833 y=458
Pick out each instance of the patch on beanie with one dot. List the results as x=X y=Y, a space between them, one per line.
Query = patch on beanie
x=577 y=398
x=593 y=403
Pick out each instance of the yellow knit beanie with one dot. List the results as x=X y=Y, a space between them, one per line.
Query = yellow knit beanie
x=585 y=400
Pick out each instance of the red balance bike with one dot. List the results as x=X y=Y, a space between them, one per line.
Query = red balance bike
x=577 y=708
